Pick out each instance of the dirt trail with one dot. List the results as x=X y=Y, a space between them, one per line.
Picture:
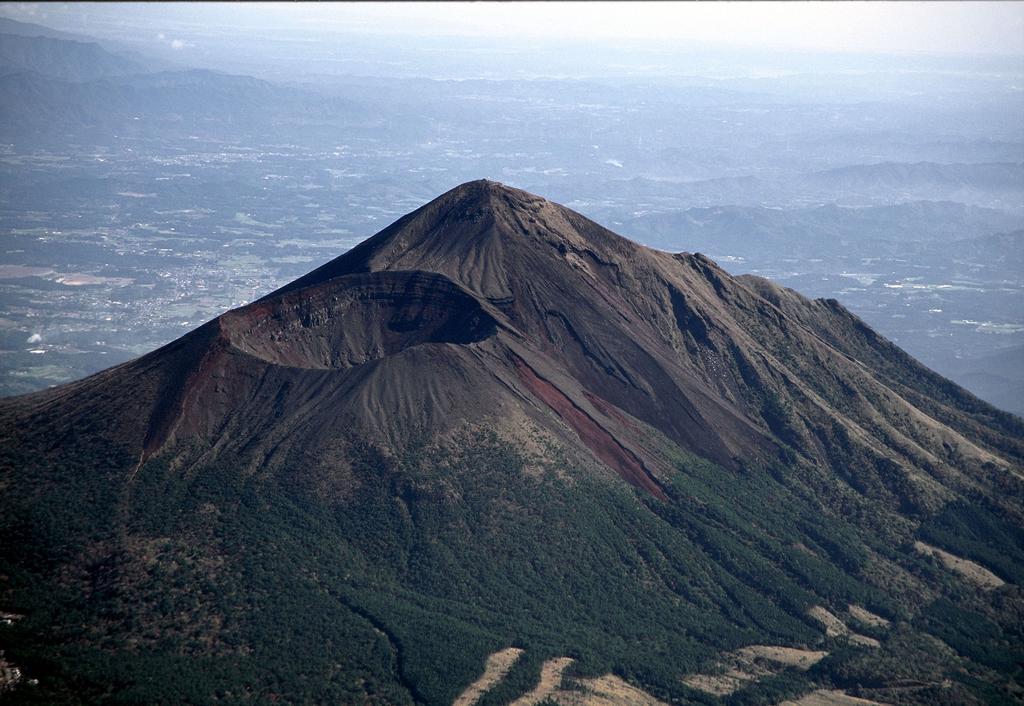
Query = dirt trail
x=550 y=679
x=495 y=669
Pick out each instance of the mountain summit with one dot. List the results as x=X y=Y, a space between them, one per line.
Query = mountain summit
x=496 y=423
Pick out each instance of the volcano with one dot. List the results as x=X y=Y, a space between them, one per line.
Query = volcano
x=498 y=442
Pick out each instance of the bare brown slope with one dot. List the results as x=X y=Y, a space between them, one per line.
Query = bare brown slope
x=571 y=289
x=434 y=321
x=716 y=363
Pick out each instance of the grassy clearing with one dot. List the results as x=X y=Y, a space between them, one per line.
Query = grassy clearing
x=737 y=670
x=828 y=697
x=608 y=690
x=495 y=669
x=550 y=681
x=866 y=617
x=973 y=572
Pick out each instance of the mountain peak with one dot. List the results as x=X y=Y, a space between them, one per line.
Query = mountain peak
x=479 y=234
x=480 y=187
x=484 y=196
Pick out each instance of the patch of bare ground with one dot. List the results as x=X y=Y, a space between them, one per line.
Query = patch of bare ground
x=834 y=627
x=550 y=681
x=866 y=617
x=718 y=684
x=608 y=690
x=829 y=697
x=975 y=573
x=864 y=640
x=495 y=669
x=737 y=669
x=804 y=548
x=541 y=449
x=786 y=656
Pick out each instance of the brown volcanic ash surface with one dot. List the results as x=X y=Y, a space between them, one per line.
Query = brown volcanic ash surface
x=492 y=306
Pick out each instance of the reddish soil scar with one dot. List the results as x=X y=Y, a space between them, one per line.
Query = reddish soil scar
x=594 y=436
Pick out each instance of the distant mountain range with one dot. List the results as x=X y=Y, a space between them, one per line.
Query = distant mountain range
x=56 y=88
x=757 y=231
x=111 y=54
x=993 y=185
x=998 y=377
x=31 y=29
x=192 y=101
x=894 y=175
x=62 y=59
x=499 y=452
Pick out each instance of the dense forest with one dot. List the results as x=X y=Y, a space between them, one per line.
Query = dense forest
x=238 y=587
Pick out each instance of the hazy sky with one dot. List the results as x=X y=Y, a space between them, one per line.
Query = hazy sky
x=887 y=26
x=954 y=27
